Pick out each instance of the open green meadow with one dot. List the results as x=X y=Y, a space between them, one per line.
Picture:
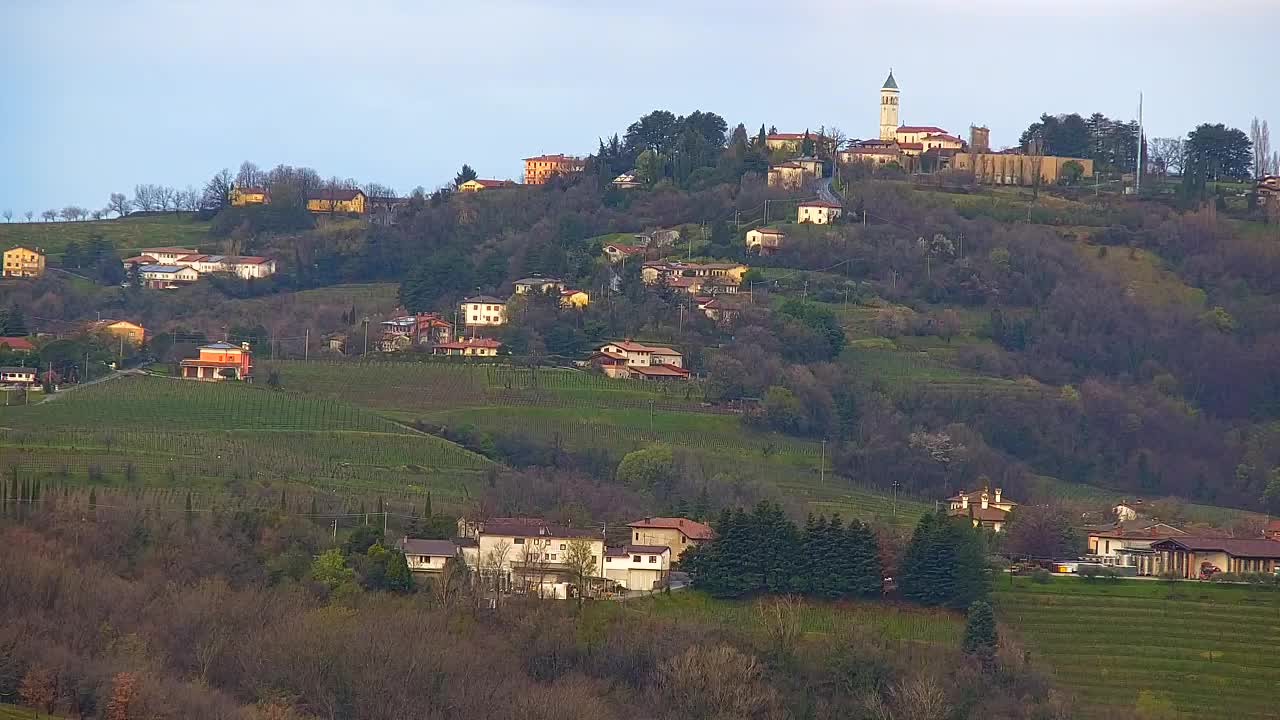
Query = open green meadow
x=1200 y=649
x=126 y=234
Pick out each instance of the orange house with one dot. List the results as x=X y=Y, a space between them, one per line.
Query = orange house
x=220 y=361
x=538 y=169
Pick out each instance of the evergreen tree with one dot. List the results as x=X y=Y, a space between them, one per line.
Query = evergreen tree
x=866 y=572
x=945 y=563
x=93 y=499
x=14 y=322
x=811 y=565
x=980 y=632
x=71 y=255
x=761 y=137
x=188 y=514
x=427 y=512
x=284 y=503
x=398 y=577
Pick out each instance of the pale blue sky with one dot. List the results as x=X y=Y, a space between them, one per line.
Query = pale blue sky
x=97 y=96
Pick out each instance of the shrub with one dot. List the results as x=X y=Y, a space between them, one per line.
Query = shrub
x=1042 y=576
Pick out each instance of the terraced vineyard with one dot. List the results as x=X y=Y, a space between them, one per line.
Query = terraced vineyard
x=176 y=433
x=410 y=388
x=127 y=234
x=1205 y=650
x=140 y=402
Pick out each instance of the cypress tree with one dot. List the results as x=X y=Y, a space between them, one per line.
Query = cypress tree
x=314 y=509
x=427 y=512
x=284 y=505
x=93 y=499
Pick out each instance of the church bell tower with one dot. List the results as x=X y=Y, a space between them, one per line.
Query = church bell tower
x=889 y=108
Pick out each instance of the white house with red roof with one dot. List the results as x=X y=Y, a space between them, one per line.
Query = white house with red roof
x=764 y=240
x=617 y=252
x=627 y=359
x=818 y=212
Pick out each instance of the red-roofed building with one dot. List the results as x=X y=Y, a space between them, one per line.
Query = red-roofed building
x=476 y=185
x=537 y=170
x=638 y=567
x=617 y=252
x=17 y=344
x=790 y=141
x=468 y=347
x=676 y=533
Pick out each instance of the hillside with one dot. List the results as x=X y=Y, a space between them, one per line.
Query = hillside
x=126 y=234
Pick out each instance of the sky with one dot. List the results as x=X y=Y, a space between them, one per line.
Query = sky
x=96 y=97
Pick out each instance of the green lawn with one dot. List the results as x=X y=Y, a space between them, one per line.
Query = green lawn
x=374 y=299
x=13 y=712
x=126 y=234
x=1208 y=650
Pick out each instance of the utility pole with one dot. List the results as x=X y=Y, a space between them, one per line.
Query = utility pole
x=306 y=346
x=896 y=484
x=335 y=529
x=366 y=338
x=1137 y=183
x=822 y=466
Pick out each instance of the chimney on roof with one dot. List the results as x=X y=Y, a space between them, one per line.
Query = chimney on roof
x=997 y=496
x=985 y=498
x=964 y=501
x=244 y=346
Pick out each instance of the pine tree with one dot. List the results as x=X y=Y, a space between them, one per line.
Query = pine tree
x=93 y=499
x=980 y=633
x=945 y=563
x=188 y=514
x=811 y=562
x=398 y=578
x=866 y=573
x=315 y=511
x=284 y=503
x=427 y=512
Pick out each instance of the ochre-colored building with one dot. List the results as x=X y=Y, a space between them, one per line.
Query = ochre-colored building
x=1008 y=168
x=241 y=196
x=676 y=533
x=132 y=333
x=219 y=361
x=476 y=185
x=23 y=261
x=337 y=200
x=538 y=169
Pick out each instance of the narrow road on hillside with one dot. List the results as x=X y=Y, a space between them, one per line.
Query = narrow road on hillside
x=826 y=193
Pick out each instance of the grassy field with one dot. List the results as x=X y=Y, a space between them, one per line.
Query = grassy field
x=1207 y=650
x=410 y=389
x=13 y=712
x=375 y=299
x=160 y=432
x=1144 y=275
x=126 y=234
x=896 y=623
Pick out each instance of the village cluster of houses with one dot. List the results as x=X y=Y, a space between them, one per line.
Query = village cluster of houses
x=1137 y=545
x=535 y=557
x=171 y=267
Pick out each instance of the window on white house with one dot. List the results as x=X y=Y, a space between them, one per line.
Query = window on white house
x=653 y=558
x=635 y=558
x=561 y=546
x=518 y=541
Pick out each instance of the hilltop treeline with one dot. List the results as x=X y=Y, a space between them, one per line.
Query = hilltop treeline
x=123 y=612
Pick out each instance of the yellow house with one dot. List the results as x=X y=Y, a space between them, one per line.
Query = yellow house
x=132 y=333
x=789 y=175
x=1008 y=168
x=676 y=533
x=241 y=196
x=337 y=200
x=23 y=262
x=476 y=185
x=571 y=298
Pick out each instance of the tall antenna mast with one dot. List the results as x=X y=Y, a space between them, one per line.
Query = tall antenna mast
x=1137 y=185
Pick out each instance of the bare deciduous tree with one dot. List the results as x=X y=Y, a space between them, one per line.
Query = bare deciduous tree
x=144 y=198
x=8 y=216
x=49 y=215
x=166 y=197
x=97 y=214
x=217 y=192
x=28 y=215
x=119 y=204
x=250 y=175
x=1167 y=155
x=579 y=558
